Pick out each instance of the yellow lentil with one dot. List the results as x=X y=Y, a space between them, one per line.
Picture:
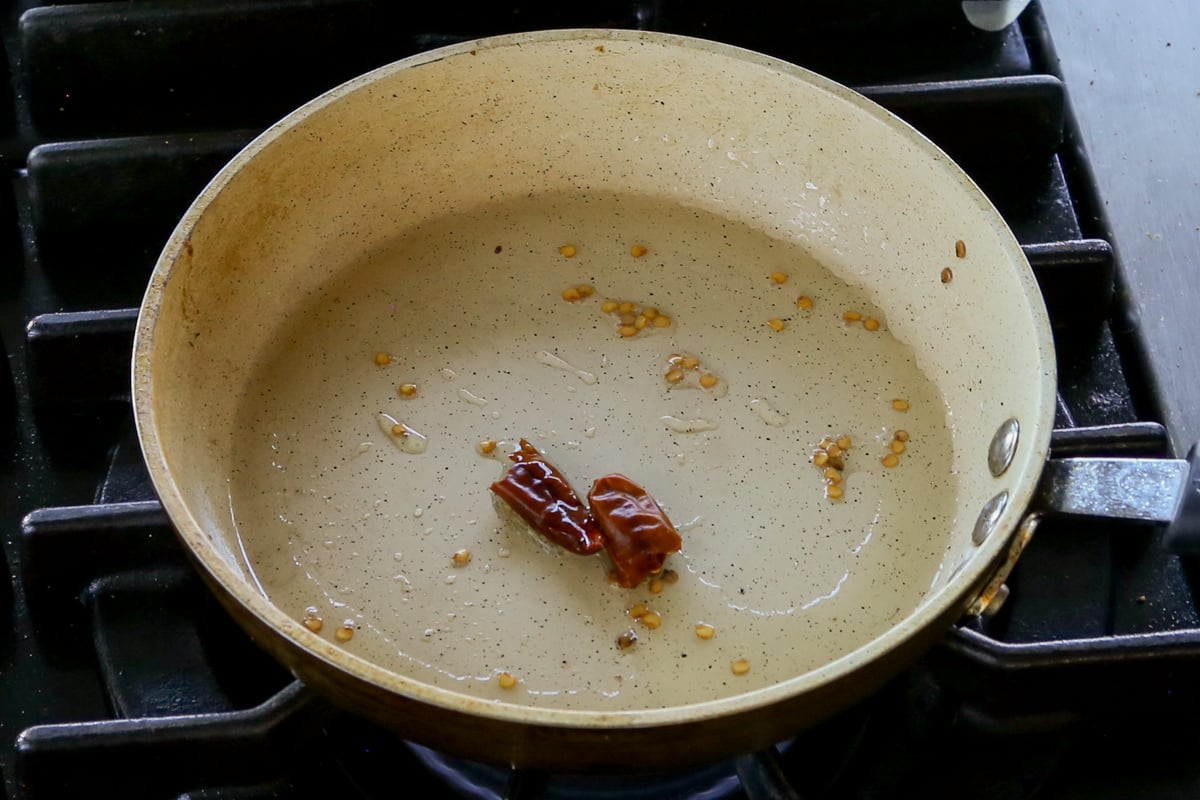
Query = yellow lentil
x=705 y=631
x=740 y=667
x=901 y=436
x=313 y=622
x=399 y=429
x=627 y=639
x=641 y=321
x=834 y=450
x=871 y=324
x=609 y=306
x=852 y=316
x=637 y=251
x=382 y=359
x=821 y=458
x=567 y=251
x=804 y=301
x=662 y=321
x=674 y=375
x=487 y=446
x=779 y=277
x=688 y=362
x=898 y=446
x=657 y=586
x=506 y=681
x=651 y=619
x=776 y=323
x=835 y=492
x=346 y=632
x=947 y=275
x=627 y=331
x=844 y=442
x=407 y=389
x=625 y=308
x=900 y=404
x=833 y=475
x=584 y=290
x=638 y=611
x=708 y=380
x=650 y=312
x=890 y=460
x=461 y=557
x=570 y=295
x=960 y=249
x=671 y=576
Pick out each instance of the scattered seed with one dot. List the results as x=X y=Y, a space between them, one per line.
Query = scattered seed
x=835 y=491
x=901 y=436
x=627 y=639
x=821 y=458
x=346 y=632
x=852 y=316
x=651 y=619
x=900 y=404
x=571 y=295
x=567 y=251
x=740 y=667
x=871 y=324
x=638 y=611
x=688 y=362
x=898 y=446
x=637 y=251
x=382 y=359
x=776 y=323
x=833 y=475
x=708 y=380
x=461 y=558
x=662 y=321
x=674 y=375
x=312 y=620
x=947 y=275
x=609 y=306
x=650 y=313
x=641 y=321
x=804 y=301
x=584 y=290
x=407 y=389
x=834 y=450
x=779 y=277
x=627 y=330
x=506 y=680
x=960 y=249
x=657 y=585
x=844 y=442
x=890 y=460
x=487 y=446
x=671 y=576
x=705 y=631
x=399 y=429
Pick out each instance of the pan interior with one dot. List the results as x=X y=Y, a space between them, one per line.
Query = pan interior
x=343 y=520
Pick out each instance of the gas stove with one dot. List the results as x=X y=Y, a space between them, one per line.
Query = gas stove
x=118 y=670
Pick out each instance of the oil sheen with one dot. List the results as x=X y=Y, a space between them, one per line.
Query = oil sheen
x=336 y=515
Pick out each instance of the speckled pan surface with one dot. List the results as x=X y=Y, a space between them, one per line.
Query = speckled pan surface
x=418 y=212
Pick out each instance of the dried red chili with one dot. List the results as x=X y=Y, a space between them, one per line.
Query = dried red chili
x=539 y=493
x=637 y=532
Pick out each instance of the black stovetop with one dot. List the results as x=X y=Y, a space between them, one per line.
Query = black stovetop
x=118 y=671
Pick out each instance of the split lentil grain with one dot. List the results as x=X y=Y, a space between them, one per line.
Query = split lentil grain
x=506 y=680
x=345 y=632
x=461 y=558
x=383 y=359
x=637 y=251
x=804 y=302
x=960 y=249
x=568 y=251
x=740 y=667
x=407 y=390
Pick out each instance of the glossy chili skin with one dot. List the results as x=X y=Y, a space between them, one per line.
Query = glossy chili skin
x=636 y=530
x=539 y=493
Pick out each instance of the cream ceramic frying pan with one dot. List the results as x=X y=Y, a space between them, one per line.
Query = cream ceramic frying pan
x=382 y=281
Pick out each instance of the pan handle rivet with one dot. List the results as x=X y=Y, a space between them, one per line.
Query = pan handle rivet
x=1003 y=446
x=988 y=518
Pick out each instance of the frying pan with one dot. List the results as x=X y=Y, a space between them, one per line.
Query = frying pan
x=420 y=227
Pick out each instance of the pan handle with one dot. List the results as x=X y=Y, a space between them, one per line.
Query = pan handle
x=1142 y=489
x=1152 y=490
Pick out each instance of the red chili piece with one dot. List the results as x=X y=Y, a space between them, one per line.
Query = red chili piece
x=537 y=491
x=639 y=535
